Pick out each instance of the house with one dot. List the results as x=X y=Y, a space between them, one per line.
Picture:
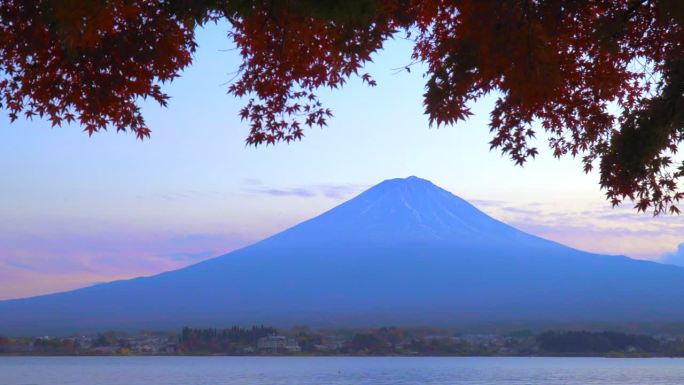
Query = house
x=332 y=343
x=276 y=344
x=292 y=346
x=106 y=350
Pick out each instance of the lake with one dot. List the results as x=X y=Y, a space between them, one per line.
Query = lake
x=338 y=371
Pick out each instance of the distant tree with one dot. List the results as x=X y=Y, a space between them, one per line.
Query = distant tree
x=594 y=342
x=308 y=340
x=48 y=345
x=368 y=342
x=101 y=341
x=221 y=340
x=5 y=344
x=675 y=347
x=559 y=63
x=391 y=335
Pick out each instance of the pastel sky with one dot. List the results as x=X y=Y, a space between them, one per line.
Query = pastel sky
x=76 y=210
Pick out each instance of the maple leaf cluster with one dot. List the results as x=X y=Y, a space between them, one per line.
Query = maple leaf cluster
x=559 y=66
x=89 y=61
x=288 y=53
x=563 y=65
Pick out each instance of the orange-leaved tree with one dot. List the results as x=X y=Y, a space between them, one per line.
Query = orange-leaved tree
x=564 y=65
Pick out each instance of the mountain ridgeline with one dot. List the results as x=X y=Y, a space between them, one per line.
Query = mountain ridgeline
x=404 y=252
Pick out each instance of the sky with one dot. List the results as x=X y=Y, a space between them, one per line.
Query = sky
x=77 y=210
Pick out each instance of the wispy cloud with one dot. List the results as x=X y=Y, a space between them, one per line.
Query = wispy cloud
x=488 y=202
x=522 y=211
x=181 y=195
x=191 y=256
x=299 y=192
x=598 y=228
x=252 y=181
x=340 y=191
x=332 y=191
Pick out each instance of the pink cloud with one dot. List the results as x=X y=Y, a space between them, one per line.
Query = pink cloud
x=39 y=264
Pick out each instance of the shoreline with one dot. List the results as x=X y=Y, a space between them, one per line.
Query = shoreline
x=608 y=355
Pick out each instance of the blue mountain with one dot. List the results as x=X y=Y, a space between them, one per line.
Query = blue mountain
x=404 y=252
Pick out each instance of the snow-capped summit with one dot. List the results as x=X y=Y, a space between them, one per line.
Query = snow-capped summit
x=410 y=209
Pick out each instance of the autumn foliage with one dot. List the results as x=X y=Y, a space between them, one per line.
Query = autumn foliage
x=604 y=79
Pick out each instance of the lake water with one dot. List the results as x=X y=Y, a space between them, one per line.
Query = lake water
x=338 y=371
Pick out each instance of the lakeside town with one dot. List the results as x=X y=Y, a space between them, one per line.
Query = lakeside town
x=386 y=341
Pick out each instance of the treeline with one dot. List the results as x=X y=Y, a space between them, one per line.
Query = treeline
x=585 y=342
x=231 y=340
x=100 y=343
x=378 y=341
x=391 y=340
x=398 y=341
x=406 y=341
x=41 y=345
x=7 y=345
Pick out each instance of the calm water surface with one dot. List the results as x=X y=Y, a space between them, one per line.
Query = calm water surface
x=337 y=371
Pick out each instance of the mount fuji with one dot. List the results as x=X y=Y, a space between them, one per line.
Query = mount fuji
x=404 y=252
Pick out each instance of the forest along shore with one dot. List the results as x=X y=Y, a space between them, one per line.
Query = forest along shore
x=386 y=341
